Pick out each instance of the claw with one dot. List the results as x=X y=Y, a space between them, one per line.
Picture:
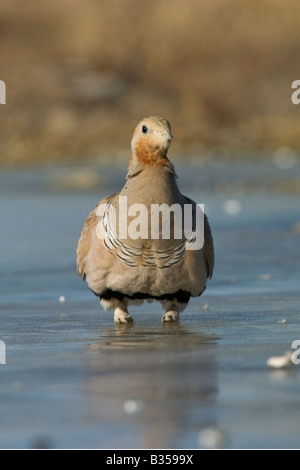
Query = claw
x=170 y=316
x=122 y=317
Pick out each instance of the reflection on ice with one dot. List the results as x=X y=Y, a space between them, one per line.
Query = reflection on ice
x=161 y=379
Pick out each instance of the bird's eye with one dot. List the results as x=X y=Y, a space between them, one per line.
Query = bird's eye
x=144 y=129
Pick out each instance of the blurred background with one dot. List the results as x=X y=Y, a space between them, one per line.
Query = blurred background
x=80 y=75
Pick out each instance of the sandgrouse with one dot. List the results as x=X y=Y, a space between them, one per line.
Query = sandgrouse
x=123 y=258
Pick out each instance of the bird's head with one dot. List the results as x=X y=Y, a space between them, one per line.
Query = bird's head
x=151 y=139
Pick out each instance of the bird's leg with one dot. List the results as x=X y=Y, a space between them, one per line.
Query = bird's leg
x=172 y=312
x=119 y=307
x=170 y=315
x=121 y=315
x=172 y=308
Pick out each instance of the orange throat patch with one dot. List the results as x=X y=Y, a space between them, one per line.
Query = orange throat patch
x=148 y=154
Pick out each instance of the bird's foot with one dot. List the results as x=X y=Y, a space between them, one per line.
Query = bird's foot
x=122 y=317
x=170 y=316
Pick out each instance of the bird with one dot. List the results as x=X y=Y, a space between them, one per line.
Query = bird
x=121 y=259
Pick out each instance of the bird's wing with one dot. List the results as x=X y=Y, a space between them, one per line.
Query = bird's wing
x=85 y=240
x=84 y=243
x=208 y=245
x=208 y=249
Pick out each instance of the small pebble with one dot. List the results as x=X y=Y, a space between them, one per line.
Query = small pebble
x=132 y=406
x=212 y=438
x=232 y=206
x=206 y=307
x=284 y=320
x=279 y=362
x=62 y=299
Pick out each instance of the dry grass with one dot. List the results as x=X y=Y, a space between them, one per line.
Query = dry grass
x=80 y=74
